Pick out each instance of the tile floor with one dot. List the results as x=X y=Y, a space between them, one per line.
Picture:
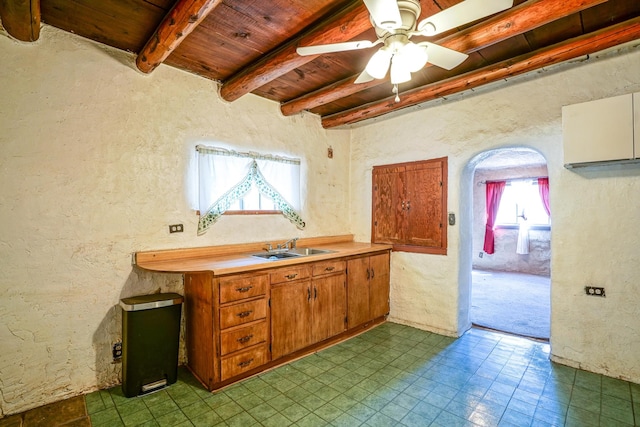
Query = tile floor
x=393 y=375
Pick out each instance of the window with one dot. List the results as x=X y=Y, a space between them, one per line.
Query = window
x=410 y=206
x=521 y=202
x=246 y=182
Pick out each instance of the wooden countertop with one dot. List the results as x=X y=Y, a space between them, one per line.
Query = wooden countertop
x=233 y=259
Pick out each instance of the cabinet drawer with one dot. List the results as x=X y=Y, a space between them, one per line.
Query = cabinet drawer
x=237 y=339
x=290 y=274
x=236 y=288
x=243 y=362
x=328 y=267
x=238 y=314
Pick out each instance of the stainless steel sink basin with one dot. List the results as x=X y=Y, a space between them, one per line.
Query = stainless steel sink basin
x=309 y=251
x=292 y=253
x=274 y=256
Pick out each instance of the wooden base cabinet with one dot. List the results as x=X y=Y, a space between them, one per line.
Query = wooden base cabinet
x=238 y=324
x=368 y=288
x=227 y=325
x=307 y=310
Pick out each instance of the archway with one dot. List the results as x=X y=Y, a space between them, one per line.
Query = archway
x=506 y=289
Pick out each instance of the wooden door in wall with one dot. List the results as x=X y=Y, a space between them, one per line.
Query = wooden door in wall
x=388 y=188
x=424 y=204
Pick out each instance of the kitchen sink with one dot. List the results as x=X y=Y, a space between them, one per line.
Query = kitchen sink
x=275 y=255
x=292 y=253
x=309 y=251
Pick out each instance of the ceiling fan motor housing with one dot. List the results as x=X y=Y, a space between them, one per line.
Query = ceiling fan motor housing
x=409 y=13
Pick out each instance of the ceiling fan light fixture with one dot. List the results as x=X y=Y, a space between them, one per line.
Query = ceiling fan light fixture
x=399 y=72
x=378 y=65
x=413 y=57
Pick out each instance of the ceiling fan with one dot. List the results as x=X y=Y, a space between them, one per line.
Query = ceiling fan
x=395 y=22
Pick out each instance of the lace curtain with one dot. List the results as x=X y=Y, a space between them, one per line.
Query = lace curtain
x=226 y=176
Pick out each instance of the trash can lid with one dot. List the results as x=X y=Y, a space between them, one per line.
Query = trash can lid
x=146 y=302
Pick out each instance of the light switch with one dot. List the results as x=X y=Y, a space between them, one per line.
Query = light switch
x=452 y=218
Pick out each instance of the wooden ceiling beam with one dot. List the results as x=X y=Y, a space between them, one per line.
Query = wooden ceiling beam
x=347 y=24
x=515 y=21
x=21 y=19
x=579 y=46
x=185 y=16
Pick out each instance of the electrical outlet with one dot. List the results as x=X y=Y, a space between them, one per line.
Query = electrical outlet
x=117 y=351
x=481 y=254
x=176 y=228
x=593 y=291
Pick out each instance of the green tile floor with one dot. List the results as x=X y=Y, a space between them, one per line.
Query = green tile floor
x=393 y=375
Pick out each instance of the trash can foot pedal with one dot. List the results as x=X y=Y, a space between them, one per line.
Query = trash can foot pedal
x=147 y=388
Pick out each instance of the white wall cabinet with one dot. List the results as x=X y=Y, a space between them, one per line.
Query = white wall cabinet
x=605 y=130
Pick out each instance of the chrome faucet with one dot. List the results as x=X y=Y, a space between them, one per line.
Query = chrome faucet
x=289 y=244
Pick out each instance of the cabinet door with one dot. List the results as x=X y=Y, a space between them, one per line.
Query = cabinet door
x=424 y=204
x=357 y=291
x=598 y=131
x=290 y=317
x=388 y=188
x=379 y=285
x=329 y=306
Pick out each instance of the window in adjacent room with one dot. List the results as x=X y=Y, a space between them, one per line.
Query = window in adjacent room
x=232 y=182
x=521 y=202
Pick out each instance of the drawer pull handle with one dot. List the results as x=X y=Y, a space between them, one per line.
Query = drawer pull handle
x=245 y=363
x=243 y=314
x=291 y=276
x=244 y=289
x=245 y=339
x=329 y=269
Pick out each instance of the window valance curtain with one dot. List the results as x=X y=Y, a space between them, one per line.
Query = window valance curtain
x=225 y=176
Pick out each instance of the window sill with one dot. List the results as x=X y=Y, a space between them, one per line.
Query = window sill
x=541 y=227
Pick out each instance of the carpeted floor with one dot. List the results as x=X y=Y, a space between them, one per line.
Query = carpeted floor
x=511 y=302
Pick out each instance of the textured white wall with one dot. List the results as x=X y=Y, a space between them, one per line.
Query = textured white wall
x=595 y=235
x=505 y=258
x=94 y=165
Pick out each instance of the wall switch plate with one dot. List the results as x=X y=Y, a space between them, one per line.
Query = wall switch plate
x=452 y=218
x=176 y=228
x=481 y=254
x=330 y=152
x=594 y=291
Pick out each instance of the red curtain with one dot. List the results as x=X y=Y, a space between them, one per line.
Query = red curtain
x=494 y=194
x=543 y=187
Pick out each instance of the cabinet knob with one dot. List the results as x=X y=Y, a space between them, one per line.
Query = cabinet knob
x=245 y=363
x=245 y=339
x=244 y=314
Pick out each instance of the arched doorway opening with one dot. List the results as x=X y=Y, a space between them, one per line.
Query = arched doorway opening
x=508 y=267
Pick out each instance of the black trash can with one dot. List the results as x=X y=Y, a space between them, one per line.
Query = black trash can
x=150 y=340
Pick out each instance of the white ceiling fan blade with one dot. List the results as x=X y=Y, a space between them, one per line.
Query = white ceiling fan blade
x=364 y=77
x=443 y=57
x=461 y=14
x=334 y=47
x=385 y=13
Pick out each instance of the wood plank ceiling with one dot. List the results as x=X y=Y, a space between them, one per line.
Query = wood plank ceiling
x=248 y=46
